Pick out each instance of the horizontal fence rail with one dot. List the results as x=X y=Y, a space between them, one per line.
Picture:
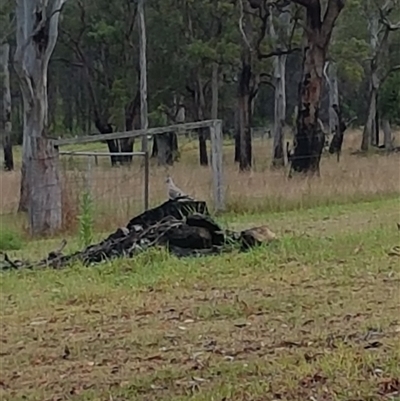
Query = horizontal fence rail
x=78 y=153
x=135 y=133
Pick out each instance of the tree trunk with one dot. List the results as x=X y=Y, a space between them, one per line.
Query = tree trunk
x=280 y=109
x=237 y=135
x=309 y=138
x=37 y=30
x=165 y=144
x=370 y=126
x=7 y=126
x=369 y=133
x=279 y=80
x=337 y=140
x=333 y=97
x=309 y=143
x=200 y=105
x=244 y=114
x=375 y=141
x=387 y=134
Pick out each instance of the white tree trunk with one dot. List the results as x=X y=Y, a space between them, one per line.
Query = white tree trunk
x=375 y=45
x=279 y=79
x=37 y=31
x=333 y=97
x=387 y=134
x=7 y=125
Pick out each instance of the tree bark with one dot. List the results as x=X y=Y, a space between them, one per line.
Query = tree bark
x=280 y=109
x=279 y=80
x=7 y=125
x=370 y=126
x=309 y=138
x=387 y=134
x=333 y=97
x=200 y=111
x=244 y=114
x=337 y=140
x=37 y=31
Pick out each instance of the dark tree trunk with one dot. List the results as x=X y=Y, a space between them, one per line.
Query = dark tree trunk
x=337 y=140
x=132 y=121
x=8 y=155
x=105 y=128
x=237 y=146
x=309 y=138
x=244 y=114
x=154 y=151
x=203 y=147
x=237 y=135
x=200 y=110
x=165 y=148
x=7 y=125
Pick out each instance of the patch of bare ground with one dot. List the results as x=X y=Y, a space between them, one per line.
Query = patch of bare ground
x=308 y=318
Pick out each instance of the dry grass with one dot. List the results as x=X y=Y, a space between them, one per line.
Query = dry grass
x=118 y=192
x=312 y=317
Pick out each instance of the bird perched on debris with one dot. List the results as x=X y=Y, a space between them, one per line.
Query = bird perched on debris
x=174 y=192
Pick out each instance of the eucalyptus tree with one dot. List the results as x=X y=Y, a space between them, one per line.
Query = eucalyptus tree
x=7 y=22
x=318 y=28
x=381 y=30
x=99 y=38
x=37 y=31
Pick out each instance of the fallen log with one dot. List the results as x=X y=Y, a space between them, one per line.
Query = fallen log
x=184 y=227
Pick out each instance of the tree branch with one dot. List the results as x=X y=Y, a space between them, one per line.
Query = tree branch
x=53 y=20
x=278 y=53
x=246 y=41
x=305 y=3
x=332 y=12
x=390 y=71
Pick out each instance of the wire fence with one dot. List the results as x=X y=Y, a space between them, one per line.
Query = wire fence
x=117 y=192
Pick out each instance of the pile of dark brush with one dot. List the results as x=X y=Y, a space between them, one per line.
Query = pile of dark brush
x=184 y=227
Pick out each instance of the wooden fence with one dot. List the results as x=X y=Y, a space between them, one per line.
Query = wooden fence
x=216 y=137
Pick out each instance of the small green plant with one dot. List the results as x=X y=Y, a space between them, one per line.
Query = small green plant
x=10 y=240
x=86 y=220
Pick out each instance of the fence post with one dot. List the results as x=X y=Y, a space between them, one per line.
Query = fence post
x=146 y=179
x=217 y=165
x=88 y=178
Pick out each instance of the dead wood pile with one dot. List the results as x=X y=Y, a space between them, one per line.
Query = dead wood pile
x=184 y=227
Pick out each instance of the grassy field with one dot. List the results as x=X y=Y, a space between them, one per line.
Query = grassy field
x=313 y=316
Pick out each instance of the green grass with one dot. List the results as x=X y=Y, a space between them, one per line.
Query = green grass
x=294 y=320
x=10 y=240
